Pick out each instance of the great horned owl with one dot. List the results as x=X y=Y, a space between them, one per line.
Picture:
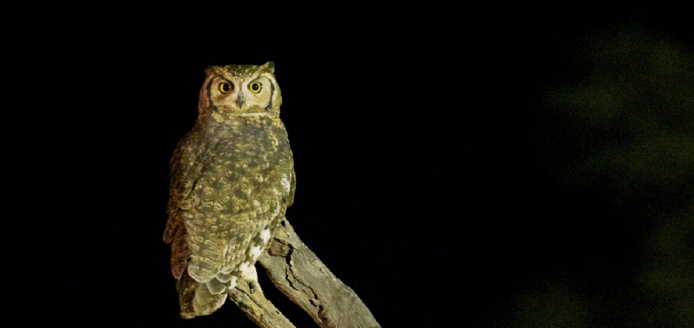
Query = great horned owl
x=232 y=179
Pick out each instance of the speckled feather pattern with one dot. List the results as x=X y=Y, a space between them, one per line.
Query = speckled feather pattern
x=232 y=178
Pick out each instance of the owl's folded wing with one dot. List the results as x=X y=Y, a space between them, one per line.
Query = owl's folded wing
x=182 y=177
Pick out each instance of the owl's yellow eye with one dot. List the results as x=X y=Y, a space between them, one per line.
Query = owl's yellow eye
x=255 y=87
x=224 y=87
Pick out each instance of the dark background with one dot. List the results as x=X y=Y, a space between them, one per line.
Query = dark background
x=433 y=144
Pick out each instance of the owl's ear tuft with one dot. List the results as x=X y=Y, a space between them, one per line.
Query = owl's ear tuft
x=209 y=70
x=270 y=66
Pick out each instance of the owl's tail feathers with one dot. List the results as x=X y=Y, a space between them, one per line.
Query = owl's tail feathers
x=209 y=297
x=198 y=298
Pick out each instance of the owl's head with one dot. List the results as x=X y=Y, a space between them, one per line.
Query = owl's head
x=246 y=90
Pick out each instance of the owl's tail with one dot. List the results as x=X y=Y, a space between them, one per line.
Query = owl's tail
x=200 y=298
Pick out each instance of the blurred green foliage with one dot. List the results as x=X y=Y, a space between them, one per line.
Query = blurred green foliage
x=667 y=277
x=630 y=117
x=635 y=112
x=554 y=305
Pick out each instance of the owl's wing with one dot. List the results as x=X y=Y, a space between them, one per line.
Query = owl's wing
x=182 y=172
x=195 y=298
x=182 y=177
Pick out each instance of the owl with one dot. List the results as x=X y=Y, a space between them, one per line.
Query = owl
x=232 y=179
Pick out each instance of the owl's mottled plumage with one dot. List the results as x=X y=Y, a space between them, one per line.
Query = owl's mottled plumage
x=232 y=179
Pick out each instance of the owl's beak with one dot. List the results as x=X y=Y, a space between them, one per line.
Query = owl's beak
x=239 y=100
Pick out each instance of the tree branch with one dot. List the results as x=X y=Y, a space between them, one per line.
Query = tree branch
x=300 y=275
x=257 y=308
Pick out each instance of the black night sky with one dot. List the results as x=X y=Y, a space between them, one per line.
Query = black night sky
x=458 y=165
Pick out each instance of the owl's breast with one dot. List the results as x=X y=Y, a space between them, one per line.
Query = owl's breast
x=245 y=166
x=238 y=182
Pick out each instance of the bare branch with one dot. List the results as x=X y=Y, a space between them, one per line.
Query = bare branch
x=258 y=308
x=300 y=275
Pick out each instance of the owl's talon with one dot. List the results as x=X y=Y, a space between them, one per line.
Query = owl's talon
x=252 y=287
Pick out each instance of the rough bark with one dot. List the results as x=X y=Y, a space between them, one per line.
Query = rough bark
x=258 y=308
x=300 y=275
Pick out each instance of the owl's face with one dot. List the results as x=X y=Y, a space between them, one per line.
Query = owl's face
x=240 y=90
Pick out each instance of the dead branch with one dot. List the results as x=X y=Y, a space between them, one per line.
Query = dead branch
x=300 y=275
x=258 y=308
